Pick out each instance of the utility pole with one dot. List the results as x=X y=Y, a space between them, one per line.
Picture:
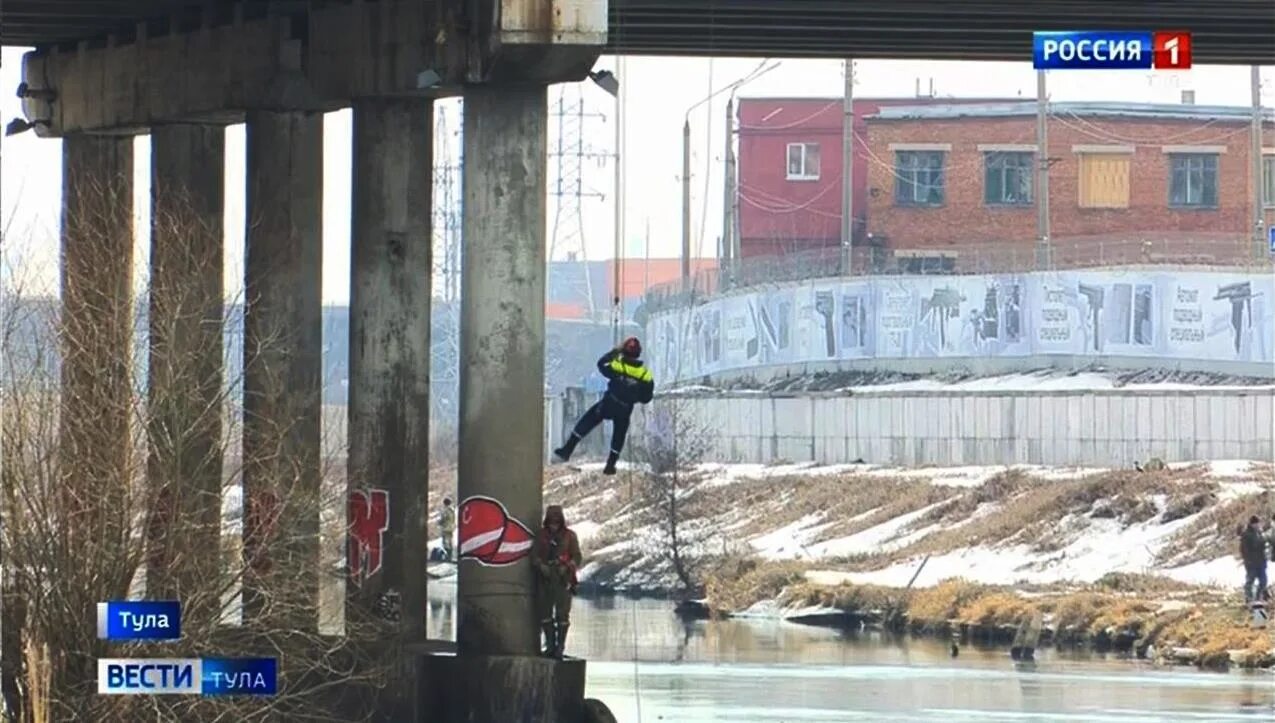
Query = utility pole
x=1255 y=163
x=1043 y=250
x=686 y=205
x=726 y=265
x=617 y=308
x=847 y=169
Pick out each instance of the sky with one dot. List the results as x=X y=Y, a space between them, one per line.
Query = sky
x=658 y=95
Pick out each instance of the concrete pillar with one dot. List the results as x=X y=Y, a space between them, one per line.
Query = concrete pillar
x=282 y=368
x=502 y=351
x=185 y=364
x=96 y=365
x=390 y=275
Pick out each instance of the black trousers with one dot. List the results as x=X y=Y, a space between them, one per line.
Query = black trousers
x=606 y=408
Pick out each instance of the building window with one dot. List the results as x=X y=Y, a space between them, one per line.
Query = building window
x=1104 y=180
x=1268 y=180
x=803 y=161
x=1193 y=180
x=1007 y=178
x=918 y=178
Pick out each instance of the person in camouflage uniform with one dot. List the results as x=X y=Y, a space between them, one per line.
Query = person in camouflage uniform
x=557 y=558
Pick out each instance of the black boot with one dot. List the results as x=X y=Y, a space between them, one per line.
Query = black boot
x=560 y=644
x=563 y=453
x=551 y=642
x=611 y=460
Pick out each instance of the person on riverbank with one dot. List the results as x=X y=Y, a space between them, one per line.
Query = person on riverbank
x=1253 y=553
x=447 y=526
x=557 y=557
x=629 y=382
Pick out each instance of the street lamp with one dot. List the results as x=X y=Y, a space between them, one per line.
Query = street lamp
x=757 y=72
x=607 y=81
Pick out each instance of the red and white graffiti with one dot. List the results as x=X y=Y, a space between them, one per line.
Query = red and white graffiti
x=369 y=519
x=489 y=535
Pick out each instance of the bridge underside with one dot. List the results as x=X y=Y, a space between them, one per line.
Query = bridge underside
x=1232 y=32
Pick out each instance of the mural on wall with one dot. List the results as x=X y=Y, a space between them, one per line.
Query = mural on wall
x=1186 y=315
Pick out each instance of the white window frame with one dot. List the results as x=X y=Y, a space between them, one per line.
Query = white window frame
x=805 y=174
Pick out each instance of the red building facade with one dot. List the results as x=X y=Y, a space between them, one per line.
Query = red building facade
x=932 y=176
x=790 y=163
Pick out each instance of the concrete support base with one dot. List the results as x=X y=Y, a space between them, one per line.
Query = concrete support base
x=501 y=689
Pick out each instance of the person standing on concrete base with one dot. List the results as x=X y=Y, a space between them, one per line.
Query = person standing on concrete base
x=557 y=557
x=1253 y=553
x=447 y=526
x=629 y=382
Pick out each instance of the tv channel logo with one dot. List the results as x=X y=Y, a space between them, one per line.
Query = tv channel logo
x=129 y=620
x=149 y=676
x=1111 y=50
x=240 y=676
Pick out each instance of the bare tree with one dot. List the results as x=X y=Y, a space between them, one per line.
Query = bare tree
x=111 y=486
x=669 y=447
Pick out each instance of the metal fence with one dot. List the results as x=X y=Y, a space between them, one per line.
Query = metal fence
x=971 y=259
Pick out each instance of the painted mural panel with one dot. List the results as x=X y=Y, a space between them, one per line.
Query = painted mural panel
x=1186 y=315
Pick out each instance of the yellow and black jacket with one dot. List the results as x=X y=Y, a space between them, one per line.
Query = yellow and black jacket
x=629 y=381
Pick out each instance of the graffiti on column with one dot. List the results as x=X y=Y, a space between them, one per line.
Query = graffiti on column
x=489 y=535
x=369 y=519
x=261 y=520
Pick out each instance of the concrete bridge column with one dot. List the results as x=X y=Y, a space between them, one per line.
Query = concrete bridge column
x=282 y=368
x=185 y=365
x=96 y=364
x=502 y=348
x=496 y=675
x=388 y=464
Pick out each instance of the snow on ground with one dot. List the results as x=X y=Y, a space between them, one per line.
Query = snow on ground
x=1101 y=547
x=1091 y=547
x=881 y=538
x=1038 y=381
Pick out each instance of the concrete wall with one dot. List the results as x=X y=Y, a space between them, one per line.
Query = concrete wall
x=1101 y=428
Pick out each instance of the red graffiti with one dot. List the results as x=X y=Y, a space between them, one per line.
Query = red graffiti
x=489 y=535
x=369 y=519
x=261 y=521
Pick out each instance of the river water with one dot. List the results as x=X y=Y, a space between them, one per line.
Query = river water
x=647 y=665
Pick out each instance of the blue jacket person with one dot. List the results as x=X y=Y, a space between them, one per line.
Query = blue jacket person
x=629 y=382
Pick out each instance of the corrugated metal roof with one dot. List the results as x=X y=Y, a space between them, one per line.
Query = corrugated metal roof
x=1162 y=111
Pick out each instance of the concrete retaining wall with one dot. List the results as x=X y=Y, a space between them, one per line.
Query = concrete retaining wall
x=1101 y=428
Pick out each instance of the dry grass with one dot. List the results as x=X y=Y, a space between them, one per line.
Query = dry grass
x=846 y=597
x=1215 y=533
x=1214 y=632
x=933 y=607
x=749 y=582
x=996 y=609
x=1030 y=510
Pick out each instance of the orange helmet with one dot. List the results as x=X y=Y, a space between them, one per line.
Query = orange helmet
x=631 y=348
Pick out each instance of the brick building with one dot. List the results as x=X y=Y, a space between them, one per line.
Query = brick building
x=790 y=153
x=951 y=177
x=935 y=177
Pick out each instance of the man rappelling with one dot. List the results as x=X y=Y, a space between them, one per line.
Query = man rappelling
x=629 y=382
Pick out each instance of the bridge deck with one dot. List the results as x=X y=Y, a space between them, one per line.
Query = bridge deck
x=1233 y=31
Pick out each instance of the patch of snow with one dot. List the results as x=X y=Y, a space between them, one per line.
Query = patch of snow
x=788 y=542
x=1228 y=491
x=1231 y=468
x=874 y=539
x=1103 y=547
x=585 y=529
x=1222 y=572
